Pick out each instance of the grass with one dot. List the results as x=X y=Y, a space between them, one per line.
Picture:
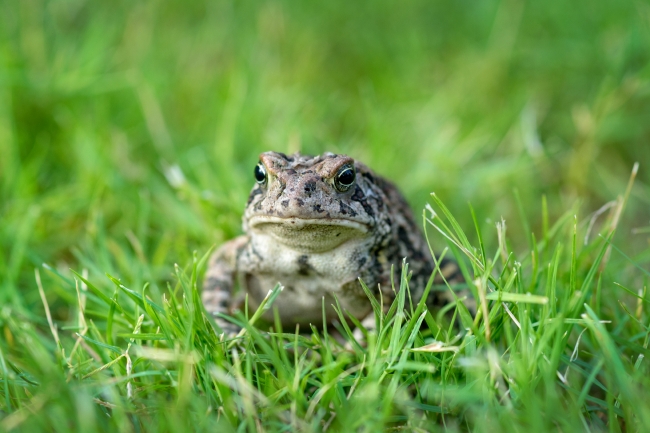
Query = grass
x=128 y=134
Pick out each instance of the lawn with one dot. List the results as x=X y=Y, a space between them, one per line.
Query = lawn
x=128 y=136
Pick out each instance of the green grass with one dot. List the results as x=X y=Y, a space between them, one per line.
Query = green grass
x=128 y=134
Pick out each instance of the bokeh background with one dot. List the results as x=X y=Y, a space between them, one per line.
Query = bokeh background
x=129 y=130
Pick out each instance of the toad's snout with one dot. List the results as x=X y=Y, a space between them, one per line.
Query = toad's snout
x=309 y=234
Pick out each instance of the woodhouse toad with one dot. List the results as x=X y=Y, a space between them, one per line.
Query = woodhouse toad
x=317 y=225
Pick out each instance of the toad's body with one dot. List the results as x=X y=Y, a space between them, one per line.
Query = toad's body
x=316 y=225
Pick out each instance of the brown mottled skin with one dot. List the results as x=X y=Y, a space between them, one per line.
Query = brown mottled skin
x=317 y=225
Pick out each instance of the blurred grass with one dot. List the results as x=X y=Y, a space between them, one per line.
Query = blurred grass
x=128 y=130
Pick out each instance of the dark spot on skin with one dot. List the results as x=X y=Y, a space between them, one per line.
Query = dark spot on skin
x=310 y=187
x=285 y=203
x=300 y=202
x=406 y=243
x=254 y=193
x=361 y=261
x=408 y=250
x=345 y=209
x=290 y=171
x=360 y=197
x=358 y=194
x=338 y=234
x=317 y=208
x=304 y=267
x=378 y=270
x=404 y=237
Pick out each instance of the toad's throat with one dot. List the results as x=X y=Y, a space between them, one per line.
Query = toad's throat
x=309 y=234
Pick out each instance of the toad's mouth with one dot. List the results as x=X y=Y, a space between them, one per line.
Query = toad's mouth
x=309 y=234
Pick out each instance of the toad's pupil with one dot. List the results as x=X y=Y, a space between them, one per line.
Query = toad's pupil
x=346 y=177
x=260 y=173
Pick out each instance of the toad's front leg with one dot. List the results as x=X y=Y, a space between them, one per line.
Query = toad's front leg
x=219 y=282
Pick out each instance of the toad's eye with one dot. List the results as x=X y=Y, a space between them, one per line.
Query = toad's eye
x=344 y=178
x=260 y=173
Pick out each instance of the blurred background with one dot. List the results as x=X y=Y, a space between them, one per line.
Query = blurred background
x=129 y=130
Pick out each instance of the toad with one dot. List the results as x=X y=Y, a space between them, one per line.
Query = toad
x=318 y=225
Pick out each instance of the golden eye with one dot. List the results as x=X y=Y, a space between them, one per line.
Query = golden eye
x=344 y=179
